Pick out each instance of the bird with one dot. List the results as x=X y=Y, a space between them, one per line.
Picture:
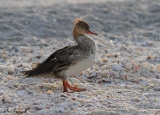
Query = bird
x=70 y=60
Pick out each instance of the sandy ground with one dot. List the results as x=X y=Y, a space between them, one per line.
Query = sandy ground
x=125 y=79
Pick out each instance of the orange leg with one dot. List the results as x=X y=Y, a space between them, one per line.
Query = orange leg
x=66 y=85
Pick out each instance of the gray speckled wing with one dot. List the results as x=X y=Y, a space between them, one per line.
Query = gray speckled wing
x=56 y=62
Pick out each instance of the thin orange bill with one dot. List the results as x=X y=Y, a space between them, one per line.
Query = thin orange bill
x=89 y=32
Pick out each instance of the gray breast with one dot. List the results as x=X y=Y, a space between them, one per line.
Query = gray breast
x=87 y=45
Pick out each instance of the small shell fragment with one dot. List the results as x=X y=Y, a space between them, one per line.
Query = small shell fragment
x=49 y=92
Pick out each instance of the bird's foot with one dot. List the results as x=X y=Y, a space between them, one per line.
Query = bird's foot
x=74 y=89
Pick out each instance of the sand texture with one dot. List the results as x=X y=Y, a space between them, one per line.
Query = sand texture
x=125 y=79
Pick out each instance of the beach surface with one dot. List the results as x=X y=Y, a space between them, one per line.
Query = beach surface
x=125 y=79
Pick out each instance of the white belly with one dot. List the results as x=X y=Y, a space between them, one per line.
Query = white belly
x=80 y=66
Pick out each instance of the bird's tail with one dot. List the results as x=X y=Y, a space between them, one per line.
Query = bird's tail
x=29 y=73
x=32 y=72
x=39 y=69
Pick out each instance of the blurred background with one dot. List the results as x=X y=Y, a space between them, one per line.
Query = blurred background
x=54 y=19
x=22 y=3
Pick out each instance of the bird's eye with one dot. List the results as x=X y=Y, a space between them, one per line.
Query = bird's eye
x=83 y=28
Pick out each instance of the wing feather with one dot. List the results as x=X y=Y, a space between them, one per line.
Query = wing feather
x=57 y=61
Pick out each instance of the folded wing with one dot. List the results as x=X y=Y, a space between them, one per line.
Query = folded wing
x=57 y=61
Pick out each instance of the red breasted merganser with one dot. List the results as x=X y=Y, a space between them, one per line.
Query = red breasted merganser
x=69 y=60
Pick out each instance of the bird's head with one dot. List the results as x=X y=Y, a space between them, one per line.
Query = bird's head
x=81 y=27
